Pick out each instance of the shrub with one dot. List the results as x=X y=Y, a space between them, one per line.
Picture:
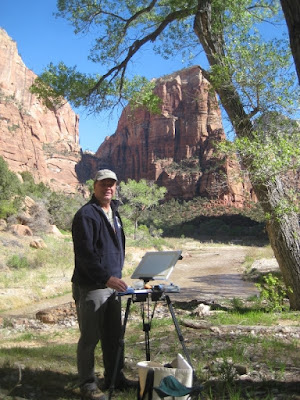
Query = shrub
x=10 y=185
x=39 y=220
x=17 y=261
x=30 y=188
x=62 y=209
x=10 y=188
x=273 y=291
x=7 y=208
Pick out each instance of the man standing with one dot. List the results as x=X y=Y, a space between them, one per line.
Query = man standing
x=99 y=247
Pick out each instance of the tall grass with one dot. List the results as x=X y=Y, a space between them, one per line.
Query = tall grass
x=30 y=271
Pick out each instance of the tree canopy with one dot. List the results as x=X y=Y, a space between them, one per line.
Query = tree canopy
x=253 y=62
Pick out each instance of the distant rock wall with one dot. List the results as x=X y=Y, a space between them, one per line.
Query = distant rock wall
x=176 y=147
x=34 y=139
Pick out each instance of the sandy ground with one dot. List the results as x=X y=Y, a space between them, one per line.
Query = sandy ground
x=213 y=272
x=206 y=273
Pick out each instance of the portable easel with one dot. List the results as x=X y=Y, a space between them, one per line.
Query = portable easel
x=145 y=298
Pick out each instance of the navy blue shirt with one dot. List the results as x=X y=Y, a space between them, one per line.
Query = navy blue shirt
x=98 y=247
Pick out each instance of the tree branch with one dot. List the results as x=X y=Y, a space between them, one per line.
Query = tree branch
x=137 y=14
x=137 y=44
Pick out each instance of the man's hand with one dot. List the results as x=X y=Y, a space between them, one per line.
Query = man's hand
x=117 y=284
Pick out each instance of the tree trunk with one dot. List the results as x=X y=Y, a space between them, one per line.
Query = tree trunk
x=291 y=10
x=283 y=232
x=284 y=236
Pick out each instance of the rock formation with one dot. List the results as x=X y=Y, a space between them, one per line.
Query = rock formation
x=34 y=139
x=176 y=147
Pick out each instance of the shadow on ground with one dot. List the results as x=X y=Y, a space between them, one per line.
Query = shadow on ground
x=48 y=385
x=34 y=384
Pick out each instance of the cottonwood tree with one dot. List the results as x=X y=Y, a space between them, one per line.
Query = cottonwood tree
x=250 y=73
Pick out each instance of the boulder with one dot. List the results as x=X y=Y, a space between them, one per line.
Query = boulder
x=21 y=230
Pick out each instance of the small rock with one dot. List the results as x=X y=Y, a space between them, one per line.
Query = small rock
x=202 y=310
x=38 y=244
x=240 y=369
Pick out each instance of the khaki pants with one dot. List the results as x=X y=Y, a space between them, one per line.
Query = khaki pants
x=99 y=318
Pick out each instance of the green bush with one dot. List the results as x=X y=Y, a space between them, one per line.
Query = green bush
x=17 y=261
x=128 y=227
x=10 y=188
x=7 y=208
x=273 y=291
x=32 y=189
x=62 y=209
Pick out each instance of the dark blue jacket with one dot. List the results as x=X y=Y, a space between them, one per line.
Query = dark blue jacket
x=99 y=249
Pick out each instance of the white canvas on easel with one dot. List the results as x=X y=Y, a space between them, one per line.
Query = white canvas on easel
x=156 y=265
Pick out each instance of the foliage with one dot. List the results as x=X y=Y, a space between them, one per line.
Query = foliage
x=62 y=209
x=273 y=148
x=138 y=197
x=18 y=261
x=273 y=291
x=8 y=208
x=10 y=188
x=227 y=370
x=142 y=94
x=83 y=90
x=202 y=219
x=90 y=185
x=123 y=27
x=258 y=66
x=188 y=165
x=32 y=189
x=70 y=84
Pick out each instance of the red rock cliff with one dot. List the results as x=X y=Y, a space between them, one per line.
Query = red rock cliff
x=32 y=138
x=176 y=147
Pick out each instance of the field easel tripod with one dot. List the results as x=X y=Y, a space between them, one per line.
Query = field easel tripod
x=148 y=299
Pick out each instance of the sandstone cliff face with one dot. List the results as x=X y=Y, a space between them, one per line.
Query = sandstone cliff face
x=33 y=138
x=176 y=147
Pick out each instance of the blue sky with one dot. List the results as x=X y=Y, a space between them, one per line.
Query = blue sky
x=42 y=38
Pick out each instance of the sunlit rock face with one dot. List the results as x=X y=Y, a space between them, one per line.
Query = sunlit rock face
x=33 y=138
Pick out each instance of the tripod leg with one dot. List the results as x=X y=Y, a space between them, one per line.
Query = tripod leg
x=120 y=348
x=180 y=337
x=146 y=329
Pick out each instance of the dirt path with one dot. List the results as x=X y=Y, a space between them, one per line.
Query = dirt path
x=212 y=272
x=205 y=273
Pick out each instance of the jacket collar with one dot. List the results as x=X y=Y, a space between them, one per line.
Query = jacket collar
x=114 y=203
